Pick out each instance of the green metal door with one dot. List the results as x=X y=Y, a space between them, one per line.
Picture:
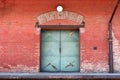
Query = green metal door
x=60 y=50
x=70 y=50
x=50 y=56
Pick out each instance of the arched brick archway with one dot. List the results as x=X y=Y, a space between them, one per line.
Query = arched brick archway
x=65 y=15
x=62 y=18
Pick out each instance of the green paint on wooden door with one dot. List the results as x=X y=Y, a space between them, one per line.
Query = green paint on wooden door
x=60 y=50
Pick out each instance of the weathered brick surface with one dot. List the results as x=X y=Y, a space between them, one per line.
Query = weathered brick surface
x=19 y=43
x=116 y=53
x=116 y=40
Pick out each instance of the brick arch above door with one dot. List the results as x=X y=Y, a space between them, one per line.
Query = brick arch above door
x=65 y=15
x=61 y=18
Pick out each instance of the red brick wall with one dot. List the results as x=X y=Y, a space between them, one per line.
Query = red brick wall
x=116 y=40
x=19 y=43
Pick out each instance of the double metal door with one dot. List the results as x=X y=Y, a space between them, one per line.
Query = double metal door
x=60 y=51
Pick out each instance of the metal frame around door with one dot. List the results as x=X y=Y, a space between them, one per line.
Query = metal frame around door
x=58 y=27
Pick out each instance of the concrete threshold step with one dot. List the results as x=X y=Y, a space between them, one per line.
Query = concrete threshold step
x=59 y=75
